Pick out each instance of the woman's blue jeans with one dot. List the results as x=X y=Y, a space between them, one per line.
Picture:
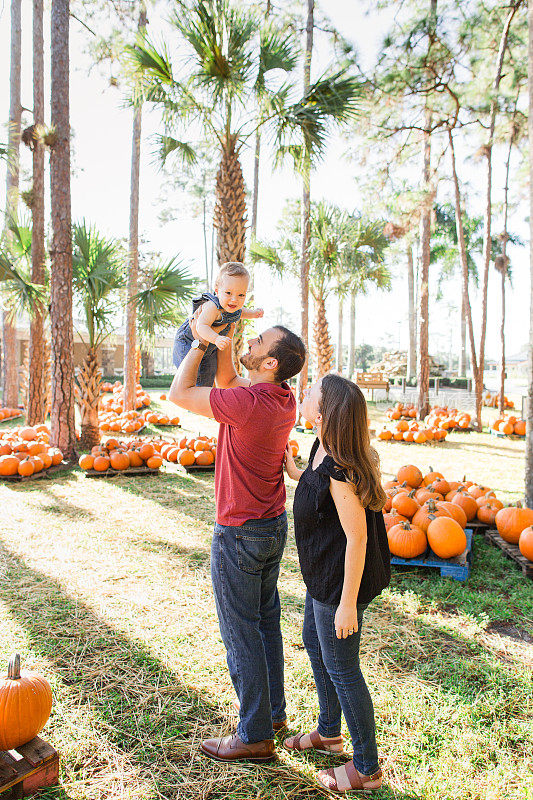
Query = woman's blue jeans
x=340 y=683
x=244 y=570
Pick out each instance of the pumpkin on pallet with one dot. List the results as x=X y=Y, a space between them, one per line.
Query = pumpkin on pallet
x=510 y=426
x=525 y=542
x=116 y=402
x=415 y=432
x=25 y=705
x=9 y=413
x=121 y=456
x=512 y=520
x=25 y=451
x=197 y=451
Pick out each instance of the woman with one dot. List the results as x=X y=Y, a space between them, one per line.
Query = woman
x=345 y=563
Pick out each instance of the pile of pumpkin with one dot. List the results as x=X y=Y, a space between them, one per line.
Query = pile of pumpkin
x=417 y=432
x=120 y=455
x=428 y=509
x=125 y=422
x=25 y=451
x=155 y=418
x=116 y=404
x=402 y=411
x=448 y=418
x=492 y=400
x=510 y=426
x=9 y=413
x=189 y=451
x=108 y=387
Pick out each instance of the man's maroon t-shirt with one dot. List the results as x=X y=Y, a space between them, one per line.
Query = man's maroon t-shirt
x=255 y=422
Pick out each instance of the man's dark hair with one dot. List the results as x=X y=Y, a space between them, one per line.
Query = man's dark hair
x=289 y=351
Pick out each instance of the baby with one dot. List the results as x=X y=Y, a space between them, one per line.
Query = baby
x=218 y=312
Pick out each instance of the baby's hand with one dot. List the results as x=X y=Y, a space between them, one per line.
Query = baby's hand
x=222 y=342
x=258 y=312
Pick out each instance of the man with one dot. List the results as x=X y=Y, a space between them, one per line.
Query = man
x=256 y=415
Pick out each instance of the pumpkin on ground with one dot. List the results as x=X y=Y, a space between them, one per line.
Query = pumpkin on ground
x=446 y=537
x=25 y=705
x=406 y=540
x=525 y=543
x=511 y=521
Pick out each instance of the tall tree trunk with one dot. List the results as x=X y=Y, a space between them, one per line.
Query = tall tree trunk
x=487 y=234
x=425 y=248
x=36 y=387
x=411 y=352
x=255 y=192
x=305 y=225
x=501 y=263
x=10 y=354
x=340 y=359
x=206 y=253
x=130 y=334
x=351 y=338
x=63 y=433
x=529 y=420
x=461 y=369
x=324 y=348
x=230 y=220
x=87 y=395
x=466 y=297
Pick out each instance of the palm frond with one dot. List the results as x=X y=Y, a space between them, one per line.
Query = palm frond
x=266 y=254
x=277 y=50
x=161 y=303
x=19 y=293
x=168 y=145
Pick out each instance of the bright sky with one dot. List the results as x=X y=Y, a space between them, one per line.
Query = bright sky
x=101 y=179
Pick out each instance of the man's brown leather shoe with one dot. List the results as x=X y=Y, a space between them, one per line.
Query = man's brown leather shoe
x=231 y=748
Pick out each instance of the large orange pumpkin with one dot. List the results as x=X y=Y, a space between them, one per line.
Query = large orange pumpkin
x=428 y=512
x=525 y=543
x=204 y=458
x=406 y=540
x=119 y=460
x=432 y=476
x=26 y=467
x=454 y=511
x=154 y=462
x=520 y=427
x=101 y=463
x=486 y=513
x=467 y=503
x=186 y=457
x=392 y=518
x=8 y=465
x=25 y=705
x=405 y=504
x=446 y=537
x=86 y=461
x=511 y=521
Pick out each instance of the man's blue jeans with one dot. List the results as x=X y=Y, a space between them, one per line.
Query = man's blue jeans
x=340 y=683
x=244 y=569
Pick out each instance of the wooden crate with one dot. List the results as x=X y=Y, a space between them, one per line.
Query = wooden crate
x=28 y=769
x=512 y=551
x=197 y=467
x=456 y=568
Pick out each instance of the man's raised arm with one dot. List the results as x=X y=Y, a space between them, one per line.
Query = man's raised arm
x=184 y=392
x=226 y=376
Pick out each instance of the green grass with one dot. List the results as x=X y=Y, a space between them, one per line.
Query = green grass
x=105 y=588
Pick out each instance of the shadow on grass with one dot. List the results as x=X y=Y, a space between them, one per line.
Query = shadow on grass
x=142 y=718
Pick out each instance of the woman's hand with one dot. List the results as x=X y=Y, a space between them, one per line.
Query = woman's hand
x=346 y=621
x=290 y=464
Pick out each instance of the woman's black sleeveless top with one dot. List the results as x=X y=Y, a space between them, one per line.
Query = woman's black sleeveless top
x=321 y=540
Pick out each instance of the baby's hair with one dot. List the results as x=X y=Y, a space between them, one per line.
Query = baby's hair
x=233 y=269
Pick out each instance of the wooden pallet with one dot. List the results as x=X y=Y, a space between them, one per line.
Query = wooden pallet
x=28 y=769
x=111 y=473
x=197 y=467
x=17 y=416
x=457 y=568
x=511 y=551
x=478 y=527
x=502 y=435
x=44 y=473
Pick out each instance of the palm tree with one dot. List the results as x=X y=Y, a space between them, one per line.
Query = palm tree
x=19 y=293
x=162 y=302
x=98 y=275
x=232 y=56
x=63 y=433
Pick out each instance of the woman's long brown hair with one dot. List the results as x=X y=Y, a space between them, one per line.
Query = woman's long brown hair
x=345 y=437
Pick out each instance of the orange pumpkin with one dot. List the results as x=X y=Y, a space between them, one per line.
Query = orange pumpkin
x=101 y=463
x=478 y=491
x=467 y=503
x=57 y=455
x=8 y=465
x=28 y=434
x=427 y=513
x=25 y=705
x=186 y=457
x=26 y=468
x=454 y=511
x=511 y=521
x=392 y=518
x=405 y=504
x=432 y=476
x=86 y=461
x=154 y=462
x=135 y=458
x=486 y=513
x=204 y=458
x=525 y=543
x=446 y=537
x=385 y=435
x=406 y=540
x=427 y=493
x=520 y=428
x=119 y=460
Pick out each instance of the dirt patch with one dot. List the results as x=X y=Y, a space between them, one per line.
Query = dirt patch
x=511 y=631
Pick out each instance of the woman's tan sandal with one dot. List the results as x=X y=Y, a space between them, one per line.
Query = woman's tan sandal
x=328 y=748
x=328 y=779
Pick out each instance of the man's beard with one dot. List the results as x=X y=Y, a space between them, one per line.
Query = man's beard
x=251 y=362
